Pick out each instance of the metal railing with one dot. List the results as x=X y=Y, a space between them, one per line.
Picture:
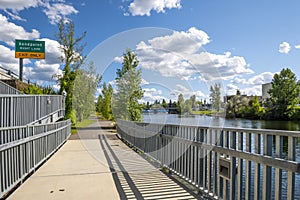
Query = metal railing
x=7 y=89
x=24 y=148
x=19 y=110
x=225 y=163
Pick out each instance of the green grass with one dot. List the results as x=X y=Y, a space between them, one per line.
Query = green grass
x=206 y=112
x=82 y=124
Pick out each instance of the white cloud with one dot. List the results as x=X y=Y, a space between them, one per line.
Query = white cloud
x=284 y=47
x=180 y=55
x=262 y=78
x=54 y=9
x=42 y=71
x=152 y=94
x=187 y=93
x=259 y=79
x=17 y=5
x=58 y=11
x=297 y=46
x=53 y=52
x=231 y=89
x=144 y=7
x=8 y=60
x=118 y=59
x=254 y=90
x=10 y=31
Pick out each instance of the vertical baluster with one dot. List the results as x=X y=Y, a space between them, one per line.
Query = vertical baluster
x=267 y=170
x=208 y=156
x=248 y=168
x=232 y=166
x=278 y=171
x=257 y=167
x=291 y=175
x=240 y=168
x=216 y=143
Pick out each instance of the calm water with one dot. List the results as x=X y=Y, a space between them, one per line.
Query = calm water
x=202 y=120
x=237 y=123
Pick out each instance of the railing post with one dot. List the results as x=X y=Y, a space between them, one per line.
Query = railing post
x=267 y=170
x=257 y=168
x=233 y=166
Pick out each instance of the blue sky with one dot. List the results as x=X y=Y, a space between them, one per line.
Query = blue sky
x=183 y=46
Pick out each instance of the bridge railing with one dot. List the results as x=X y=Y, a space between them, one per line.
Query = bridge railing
x=7 y=89
x=225 y=163
x=25 y=148
x=19 y=110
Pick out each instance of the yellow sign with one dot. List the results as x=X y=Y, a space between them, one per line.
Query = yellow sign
x=33 y=55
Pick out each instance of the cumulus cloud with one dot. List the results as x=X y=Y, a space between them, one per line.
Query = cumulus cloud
x=8 y=60
x=144 y=7
x=58 y=11
x=54 y=9
x=42 y=71
x=284 y=47
x=259 y=79
x=297 y=46
x=231 y=89
x=180 y=55
x=53 y=52
x=10 y=31
x=254 y=90
x=17 y=5
x=187 y=93
x=152 y=94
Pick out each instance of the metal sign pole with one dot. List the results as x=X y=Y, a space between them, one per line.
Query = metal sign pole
x=21 y=69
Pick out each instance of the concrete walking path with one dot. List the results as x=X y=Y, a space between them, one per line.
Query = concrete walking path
x=95 y=164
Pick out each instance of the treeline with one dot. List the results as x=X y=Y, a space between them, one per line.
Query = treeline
x=283 y=103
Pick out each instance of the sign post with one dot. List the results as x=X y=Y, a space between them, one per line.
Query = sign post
x=28 y=49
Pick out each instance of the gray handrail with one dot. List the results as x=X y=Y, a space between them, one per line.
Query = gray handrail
x=225 y=163
x=19 y=110
x=7 y=89
x=22 y=156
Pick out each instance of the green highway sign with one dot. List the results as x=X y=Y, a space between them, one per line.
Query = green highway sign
x=30 y=49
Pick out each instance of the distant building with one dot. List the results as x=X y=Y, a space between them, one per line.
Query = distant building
x=265 y=91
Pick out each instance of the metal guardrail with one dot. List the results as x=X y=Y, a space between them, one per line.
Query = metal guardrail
x=22 y=153
x=7 y=89
x=226 y=163
x=19 y=110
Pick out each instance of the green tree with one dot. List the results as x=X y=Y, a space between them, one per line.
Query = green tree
x=215 y=95
x=85 y=86
x=237 y=106
x=255 y=110
x=72 y=59
x=193 y=101
x=187 y=107
x=105 y=102
x=128 y=89
x=284 y=95
x=180 y=103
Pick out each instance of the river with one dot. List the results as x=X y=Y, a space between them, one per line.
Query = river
x=203 y=120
